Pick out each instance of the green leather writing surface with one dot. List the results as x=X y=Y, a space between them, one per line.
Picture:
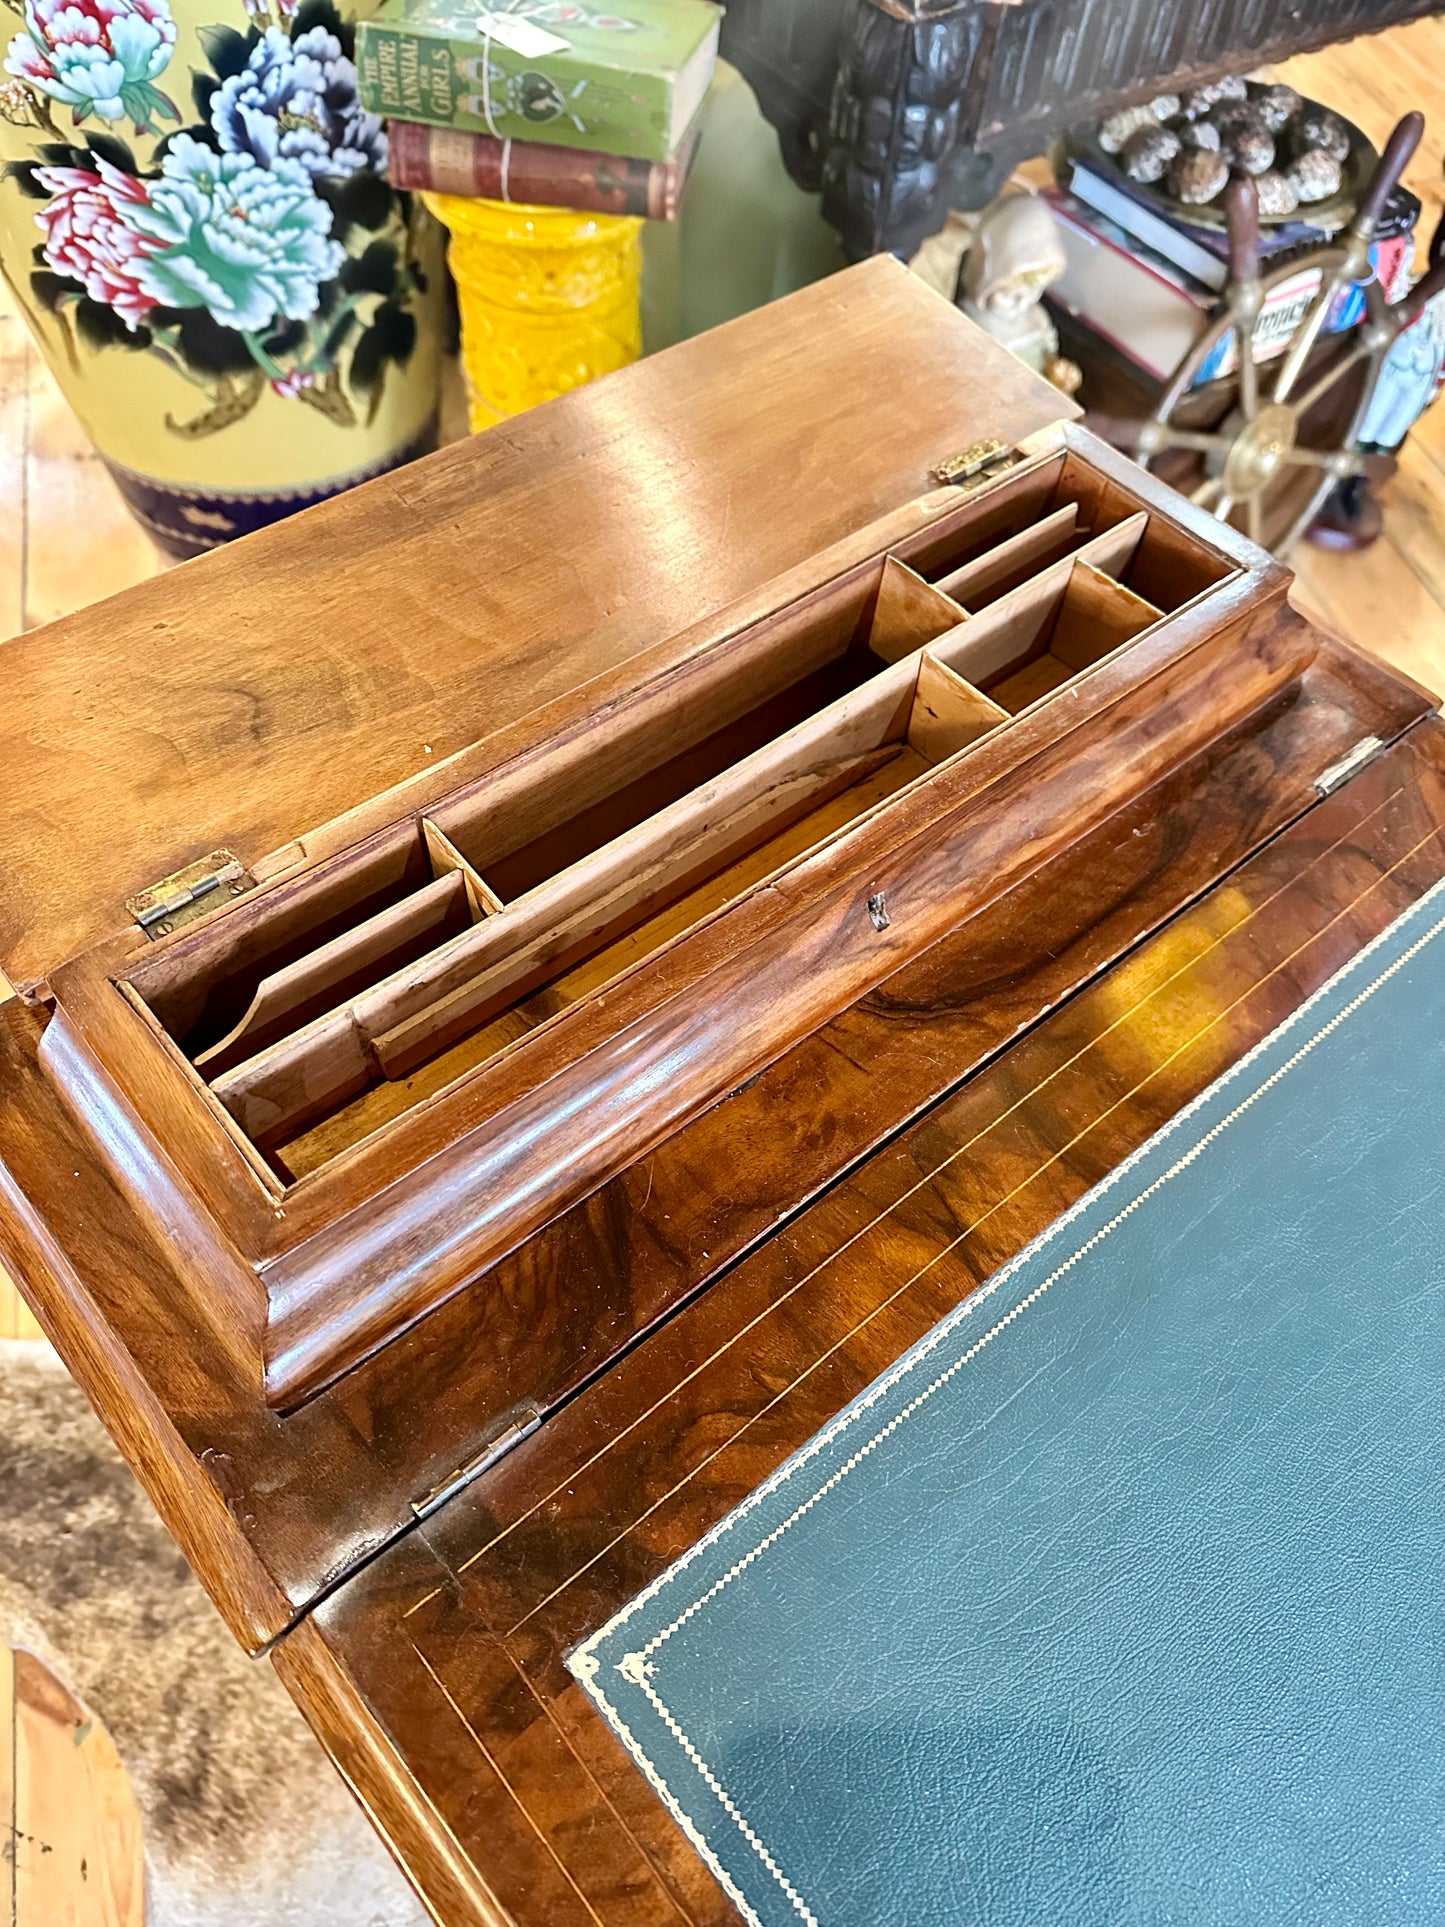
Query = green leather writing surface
x=1118 y=1602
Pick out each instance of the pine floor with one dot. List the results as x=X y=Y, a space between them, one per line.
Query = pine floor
x=1392 y=597
x=72 y=1854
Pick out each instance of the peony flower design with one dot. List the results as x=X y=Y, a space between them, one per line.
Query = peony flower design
x=225 y=256
x=289 y=386
x=98 y=57
x=297 y=100
x=88 y=236
x=248 y=243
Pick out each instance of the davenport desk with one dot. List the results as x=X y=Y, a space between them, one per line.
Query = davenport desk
x=541 y=979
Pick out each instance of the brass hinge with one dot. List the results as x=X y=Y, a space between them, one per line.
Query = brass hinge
x=515 y=1424
x=1350 y=764
x=190 y=893
x=980 y=461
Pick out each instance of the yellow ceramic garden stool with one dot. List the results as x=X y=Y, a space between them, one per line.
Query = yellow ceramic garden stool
x=550 y=299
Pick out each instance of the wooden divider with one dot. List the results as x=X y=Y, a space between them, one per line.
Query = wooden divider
x=447 y=860
x=319 y=980
x=997 y=571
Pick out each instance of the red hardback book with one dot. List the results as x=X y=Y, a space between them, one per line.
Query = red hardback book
x=448 y=161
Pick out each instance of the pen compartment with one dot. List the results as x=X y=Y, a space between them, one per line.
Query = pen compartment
x=329 y=1084
x=1051 y=509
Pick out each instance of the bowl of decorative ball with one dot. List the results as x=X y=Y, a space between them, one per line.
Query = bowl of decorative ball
x=1308 y=163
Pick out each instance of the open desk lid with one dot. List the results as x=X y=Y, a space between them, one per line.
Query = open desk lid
x=256 y=693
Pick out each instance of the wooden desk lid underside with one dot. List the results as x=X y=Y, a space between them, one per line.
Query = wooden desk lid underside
x=261 y=691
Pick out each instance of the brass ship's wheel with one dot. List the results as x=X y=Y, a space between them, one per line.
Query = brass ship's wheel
x=1289 y=431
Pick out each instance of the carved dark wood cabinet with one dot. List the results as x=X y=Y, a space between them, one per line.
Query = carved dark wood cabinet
x=539 y=979
x=897 y=110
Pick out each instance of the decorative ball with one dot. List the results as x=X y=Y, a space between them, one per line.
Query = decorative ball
x=1198 y=176
x=1318 y=127
x=1248 y=147
x=1199 y=133
x=1278 y=105
x=1277 y=193
x=1199 y=100
x=1230 y=114
x=1117 y=129
x=1314 y=175
x=1232 y=107
x=1148 y=153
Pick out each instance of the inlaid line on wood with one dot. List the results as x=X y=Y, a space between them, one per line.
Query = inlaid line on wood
x=516 y=1798
x=968 y=1232
x=1124 y=1017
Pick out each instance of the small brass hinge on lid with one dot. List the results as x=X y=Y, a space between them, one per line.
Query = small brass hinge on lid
x=514 y=1425
x=1350 y=764
x=190 y=893
x=979 y=462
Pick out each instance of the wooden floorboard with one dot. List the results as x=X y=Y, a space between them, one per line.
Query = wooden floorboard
x=1393 y=598
x=74 y=1856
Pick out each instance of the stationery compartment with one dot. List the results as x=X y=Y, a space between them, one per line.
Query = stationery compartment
x=342 y=1000
x=594 y=850
x=1047 y=512
x=1046 y=632
x=331 y=1083
x=308 y=945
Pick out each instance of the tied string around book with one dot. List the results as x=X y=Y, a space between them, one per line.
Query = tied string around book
x=523 y=38
x=492 y=128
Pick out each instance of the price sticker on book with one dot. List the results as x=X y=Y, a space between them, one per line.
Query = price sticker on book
x=522 y=37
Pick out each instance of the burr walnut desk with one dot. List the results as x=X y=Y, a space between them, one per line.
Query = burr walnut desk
x=541 y=978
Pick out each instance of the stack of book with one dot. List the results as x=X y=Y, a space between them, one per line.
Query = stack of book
x=1148 y=283
x=558 y=103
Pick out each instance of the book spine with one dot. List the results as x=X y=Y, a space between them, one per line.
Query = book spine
x=405 y=75
x=1165 y=237
x=447 y=161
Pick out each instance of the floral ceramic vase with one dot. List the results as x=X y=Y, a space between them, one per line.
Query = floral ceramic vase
x=195 y=218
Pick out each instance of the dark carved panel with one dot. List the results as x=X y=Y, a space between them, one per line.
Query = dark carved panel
x=899 y=109
x=895 y=130
x=788 y=49
x=1055 y=61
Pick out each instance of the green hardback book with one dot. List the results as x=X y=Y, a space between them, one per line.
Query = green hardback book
x=626 y=78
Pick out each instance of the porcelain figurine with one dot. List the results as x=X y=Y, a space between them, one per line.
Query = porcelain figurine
x=1016 y=254
x=1408 y=384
